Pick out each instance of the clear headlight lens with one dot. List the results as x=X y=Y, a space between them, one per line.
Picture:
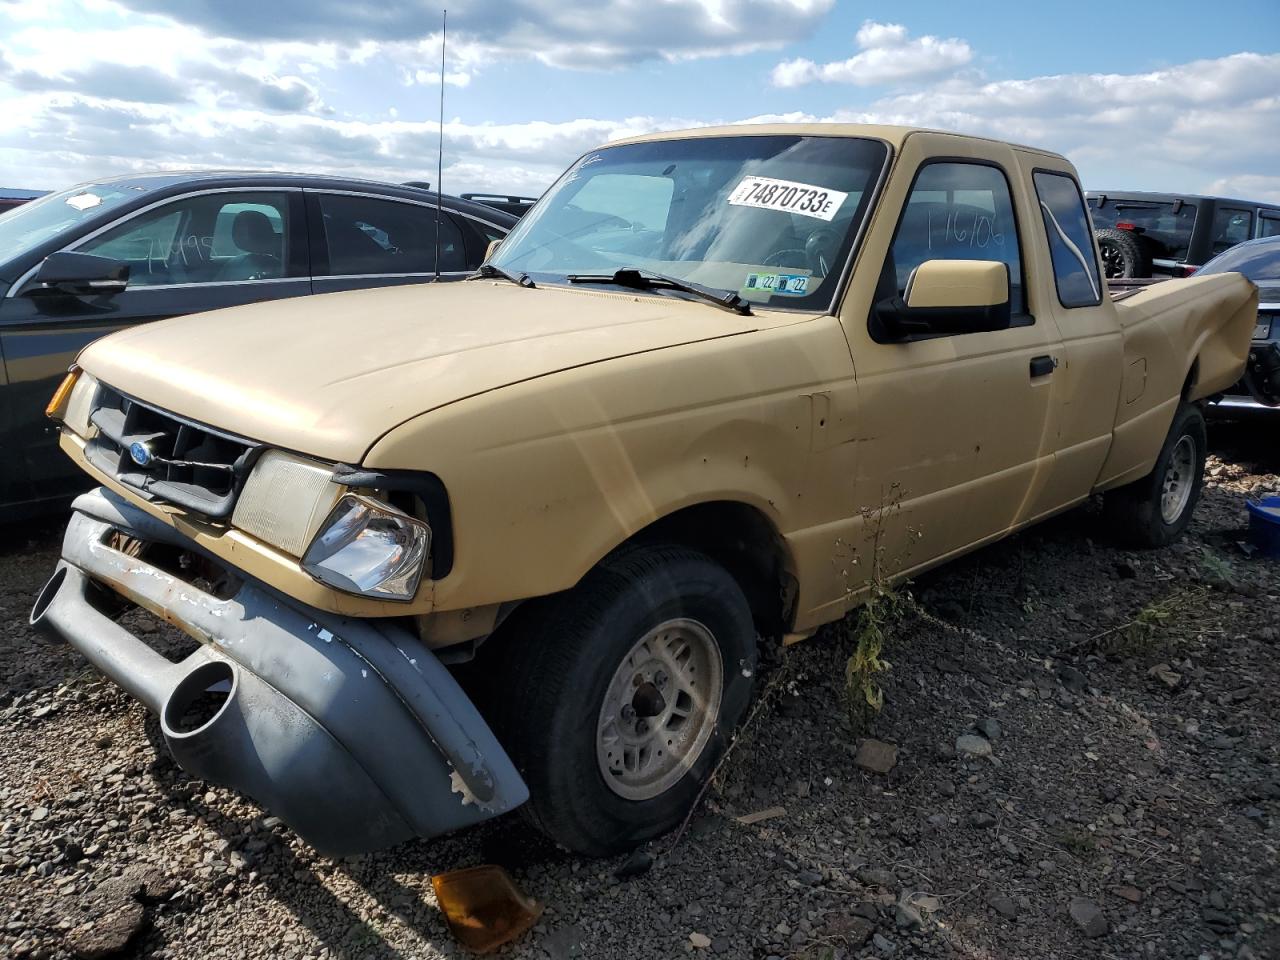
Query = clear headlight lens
x=285 y=500
x=80 y=405
x=369 y=548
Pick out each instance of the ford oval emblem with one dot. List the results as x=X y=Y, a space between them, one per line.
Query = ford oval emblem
x=140 y=453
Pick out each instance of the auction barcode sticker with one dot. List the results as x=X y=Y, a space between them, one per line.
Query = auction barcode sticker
x=788 y=197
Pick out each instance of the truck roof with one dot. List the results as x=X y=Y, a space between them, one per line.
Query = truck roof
x=892 y=134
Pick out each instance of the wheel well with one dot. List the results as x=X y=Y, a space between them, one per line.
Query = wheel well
x=1193 y=375
x=745 y=542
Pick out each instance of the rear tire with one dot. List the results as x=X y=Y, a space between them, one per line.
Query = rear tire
x=1124 y=255
x=588 y=696
x=1155 y=510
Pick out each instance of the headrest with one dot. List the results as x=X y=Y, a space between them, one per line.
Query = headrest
x=251 y=231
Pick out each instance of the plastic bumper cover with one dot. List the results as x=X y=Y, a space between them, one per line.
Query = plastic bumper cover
x=350 y=730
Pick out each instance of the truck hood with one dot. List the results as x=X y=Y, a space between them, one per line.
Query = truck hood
x=329 y=375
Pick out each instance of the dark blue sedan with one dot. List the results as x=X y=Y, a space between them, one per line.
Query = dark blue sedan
x=84 y=262
x=1259 y=260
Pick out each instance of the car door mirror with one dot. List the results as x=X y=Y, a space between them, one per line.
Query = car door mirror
x=491 y=249
x=82 y=273
x=946 y=297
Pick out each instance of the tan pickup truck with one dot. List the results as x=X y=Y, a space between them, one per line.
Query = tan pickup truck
x=653 y=428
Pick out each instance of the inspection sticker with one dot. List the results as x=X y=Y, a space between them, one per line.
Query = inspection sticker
x=788 y=197
x=788 y=284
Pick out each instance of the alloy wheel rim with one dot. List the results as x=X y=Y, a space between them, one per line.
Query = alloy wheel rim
x=660 y=709
x=1179 y=479
x=1112 y=263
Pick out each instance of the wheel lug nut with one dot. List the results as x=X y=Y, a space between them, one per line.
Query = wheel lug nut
x=628 y=712
x=642 y=726
x=660 y=679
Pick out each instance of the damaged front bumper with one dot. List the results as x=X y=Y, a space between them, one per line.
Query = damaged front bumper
x=349 y=730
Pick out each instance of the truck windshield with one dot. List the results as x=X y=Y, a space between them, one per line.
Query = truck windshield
x=33 y=223
x=772 y=218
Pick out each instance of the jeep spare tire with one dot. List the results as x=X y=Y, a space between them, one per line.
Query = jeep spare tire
x=1123 y=254
x=619 y=697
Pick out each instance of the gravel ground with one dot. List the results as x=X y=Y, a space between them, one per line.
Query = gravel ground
x=1086 y=766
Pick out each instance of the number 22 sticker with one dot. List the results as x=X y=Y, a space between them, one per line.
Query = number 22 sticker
x=787 y=196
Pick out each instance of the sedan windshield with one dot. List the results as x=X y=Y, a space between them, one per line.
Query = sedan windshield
x=771 y=218
x=29 y=225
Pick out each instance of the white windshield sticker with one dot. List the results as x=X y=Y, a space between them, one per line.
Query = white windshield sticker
x=790 y=284
x=84 y=201
x=788 y=197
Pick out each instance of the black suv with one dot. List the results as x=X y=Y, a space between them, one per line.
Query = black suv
x=85 y=262
x=1167 y=234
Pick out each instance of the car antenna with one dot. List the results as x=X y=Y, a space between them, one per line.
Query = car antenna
x=444 y=34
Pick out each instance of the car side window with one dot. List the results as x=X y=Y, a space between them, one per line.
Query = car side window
x=367 y=236
x=1230 y=226
x=1269 y=226
x=959 y=211
x=211 y=238
x=1075 y=268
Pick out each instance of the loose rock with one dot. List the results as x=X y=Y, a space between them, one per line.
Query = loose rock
x=875 y=756
x=972 y=745
x=989 y=727
x=1088 y=916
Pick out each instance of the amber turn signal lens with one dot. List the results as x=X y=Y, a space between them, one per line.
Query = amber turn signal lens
x=59 y=401
x=483 y=907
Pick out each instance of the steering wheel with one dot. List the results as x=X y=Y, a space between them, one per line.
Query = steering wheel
x=821 y=240
x=779 y=254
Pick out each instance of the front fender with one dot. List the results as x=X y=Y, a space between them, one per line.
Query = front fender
x=547 y=477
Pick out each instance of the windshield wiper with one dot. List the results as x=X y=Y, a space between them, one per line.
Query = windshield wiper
x=637 y=279
x=488 y=271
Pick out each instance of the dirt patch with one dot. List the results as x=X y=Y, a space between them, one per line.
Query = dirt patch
x=1127 y=807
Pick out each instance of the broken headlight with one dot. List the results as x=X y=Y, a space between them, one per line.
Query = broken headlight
x=84 y=393
x=285 y=500
x=369 y=548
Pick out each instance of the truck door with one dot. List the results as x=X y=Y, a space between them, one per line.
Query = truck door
x=955 y=430
x=1089 y=375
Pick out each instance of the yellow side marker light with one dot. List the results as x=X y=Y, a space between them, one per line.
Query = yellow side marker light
x=59 y=401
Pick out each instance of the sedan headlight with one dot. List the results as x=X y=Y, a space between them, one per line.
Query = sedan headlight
x=369 y=548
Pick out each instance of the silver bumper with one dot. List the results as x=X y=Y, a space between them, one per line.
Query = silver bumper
x=350 y=730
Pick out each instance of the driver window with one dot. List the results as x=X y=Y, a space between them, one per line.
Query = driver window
x=214 y=238
x=958 y=211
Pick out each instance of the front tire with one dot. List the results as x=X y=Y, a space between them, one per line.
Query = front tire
x=1154 y=511
x=617 y=699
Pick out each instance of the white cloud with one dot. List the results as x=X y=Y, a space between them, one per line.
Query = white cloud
x=1247 y=186
x=1195 y=119
x=126 y=91
x=887 y=55
x=581 y=34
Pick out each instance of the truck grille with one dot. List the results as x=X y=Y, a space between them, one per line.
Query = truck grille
x=167 y=458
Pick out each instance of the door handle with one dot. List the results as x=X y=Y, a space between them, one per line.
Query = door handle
x=1043 y=366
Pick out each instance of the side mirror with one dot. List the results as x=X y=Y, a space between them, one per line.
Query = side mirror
x=945 y=297
x=491 y=249
x=82 y=273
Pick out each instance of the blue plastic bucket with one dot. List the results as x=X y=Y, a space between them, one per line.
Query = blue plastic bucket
x=1264 y=525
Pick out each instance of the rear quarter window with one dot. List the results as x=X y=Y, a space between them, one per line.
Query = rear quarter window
x=1075 y=268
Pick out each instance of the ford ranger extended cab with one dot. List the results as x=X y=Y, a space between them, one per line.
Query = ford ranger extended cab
x=446 y=549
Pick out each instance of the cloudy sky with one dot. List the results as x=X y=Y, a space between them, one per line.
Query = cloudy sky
x=1187 y=100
